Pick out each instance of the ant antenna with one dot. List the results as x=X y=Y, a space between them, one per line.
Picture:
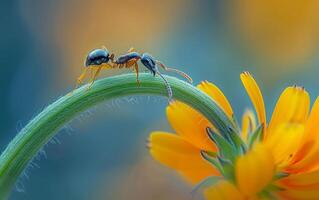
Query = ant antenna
x=168 y=87
x=175 y=70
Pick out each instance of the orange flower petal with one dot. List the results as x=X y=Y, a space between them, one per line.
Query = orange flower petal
x=312 y=128
x=284 y=142
x=292 y=106
x=303 y=181
x=255 y=95
x=304 y=157
x=217 y=95
x=309 y=162
x=307 y=156
x=254 y=170
x=299 y=194
x=190 y=124
x=223 y=190
x=175 y=152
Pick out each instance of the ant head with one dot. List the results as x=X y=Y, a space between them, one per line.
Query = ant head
x=149 y=62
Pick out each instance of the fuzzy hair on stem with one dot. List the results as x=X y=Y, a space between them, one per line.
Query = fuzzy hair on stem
x=31 y=139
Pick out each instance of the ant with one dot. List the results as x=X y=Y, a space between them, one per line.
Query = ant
x=99 y=59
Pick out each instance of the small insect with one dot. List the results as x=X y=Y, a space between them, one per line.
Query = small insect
x=99 y=59
x=132 y=58
x=95 y=61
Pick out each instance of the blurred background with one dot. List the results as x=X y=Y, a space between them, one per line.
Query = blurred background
x=102 y=154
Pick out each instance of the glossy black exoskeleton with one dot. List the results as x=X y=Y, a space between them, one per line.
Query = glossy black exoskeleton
x=97 y=57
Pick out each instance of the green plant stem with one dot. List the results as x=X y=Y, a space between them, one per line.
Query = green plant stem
x=43 y=127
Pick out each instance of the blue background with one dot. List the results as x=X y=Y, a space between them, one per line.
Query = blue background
x=101 y=154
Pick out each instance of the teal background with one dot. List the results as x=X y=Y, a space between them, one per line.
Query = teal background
x=101 y=154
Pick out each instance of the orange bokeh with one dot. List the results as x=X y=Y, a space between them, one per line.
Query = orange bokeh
x=281 y=32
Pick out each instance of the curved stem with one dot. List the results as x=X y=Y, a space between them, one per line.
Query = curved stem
x=45 y=125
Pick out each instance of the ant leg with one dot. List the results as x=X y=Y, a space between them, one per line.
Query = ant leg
x=92 y=73
x=114 y=65
x=107 y=66
x=121 y=66
x=175 y=70
x=129 y=64
x=81 y=78
x=136 y=71
x=97 y=72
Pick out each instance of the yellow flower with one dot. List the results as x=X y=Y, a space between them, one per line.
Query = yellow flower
x=253 y=173
x=278 y=160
